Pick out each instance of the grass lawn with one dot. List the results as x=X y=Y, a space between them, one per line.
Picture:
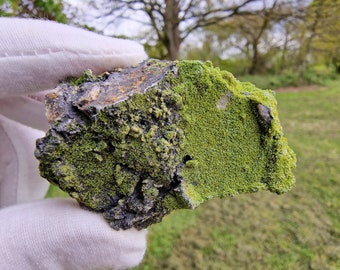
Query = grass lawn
x=297 y=230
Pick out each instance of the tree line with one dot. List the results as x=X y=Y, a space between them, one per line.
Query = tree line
x=248 y=36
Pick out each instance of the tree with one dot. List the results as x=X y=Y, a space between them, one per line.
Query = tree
x=317 y=35
x=169 y=23
x=48 y=9
x=324 y=37
x=258 y=36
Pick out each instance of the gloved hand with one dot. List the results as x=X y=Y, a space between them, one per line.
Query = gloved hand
x=51 y=233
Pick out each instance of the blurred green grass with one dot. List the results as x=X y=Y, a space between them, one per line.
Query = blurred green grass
x=55 y=191
x=289 y=78
x=297 y=230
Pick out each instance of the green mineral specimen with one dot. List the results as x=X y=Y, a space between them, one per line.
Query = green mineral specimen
x=139 y=142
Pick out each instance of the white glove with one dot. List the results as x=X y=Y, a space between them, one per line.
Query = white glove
x=57 y=234
x=52 y=233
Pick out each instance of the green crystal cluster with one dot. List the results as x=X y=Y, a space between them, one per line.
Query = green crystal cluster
x=191 y=134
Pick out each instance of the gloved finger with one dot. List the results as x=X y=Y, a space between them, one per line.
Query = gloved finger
x=19 y=178
x=57 y=234
x=27 y=110
x=36 y=54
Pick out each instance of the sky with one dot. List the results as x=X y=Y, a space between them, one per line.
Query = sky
x=119 y=28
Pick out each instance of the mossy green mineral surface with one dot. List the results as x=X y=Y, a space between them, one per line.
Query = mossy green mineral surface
x=140 y=142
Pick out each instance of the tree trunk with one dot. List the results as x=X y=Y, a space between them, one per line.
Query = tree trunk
x=172 y=39
x=306 y=47
x=283 y=59
x=254 y=60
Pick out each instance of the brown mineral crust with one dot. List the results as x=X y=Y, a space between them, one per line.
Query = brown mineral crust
x=117 y=87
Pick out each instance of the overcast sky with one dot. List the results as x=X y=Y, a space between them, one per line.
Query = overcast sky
x=119 y=27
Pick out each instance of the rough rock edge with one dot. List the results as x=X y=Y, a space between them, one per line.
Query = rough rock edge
x=80 y=114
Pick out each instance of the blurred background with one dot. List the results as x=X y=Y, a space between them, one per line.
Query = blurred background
x=290 y=46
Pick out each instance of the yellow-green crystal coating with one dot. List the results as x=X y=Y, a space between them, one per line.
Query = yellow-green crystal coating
x=173 y=135
x=235 y=149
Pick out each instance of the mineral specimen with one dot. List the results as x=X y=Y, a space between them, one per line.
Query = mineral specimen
x=139 y=142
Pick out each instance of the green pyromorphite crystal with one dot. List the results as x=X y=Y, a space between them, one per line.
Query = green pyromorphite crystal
x=140 y=142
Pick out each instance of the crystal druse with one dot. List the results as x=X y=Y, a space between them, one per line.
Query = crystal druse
x=137 y=143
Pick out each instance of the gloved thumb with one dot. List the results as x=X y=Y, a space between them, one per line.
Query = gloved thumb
x=58 y=234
